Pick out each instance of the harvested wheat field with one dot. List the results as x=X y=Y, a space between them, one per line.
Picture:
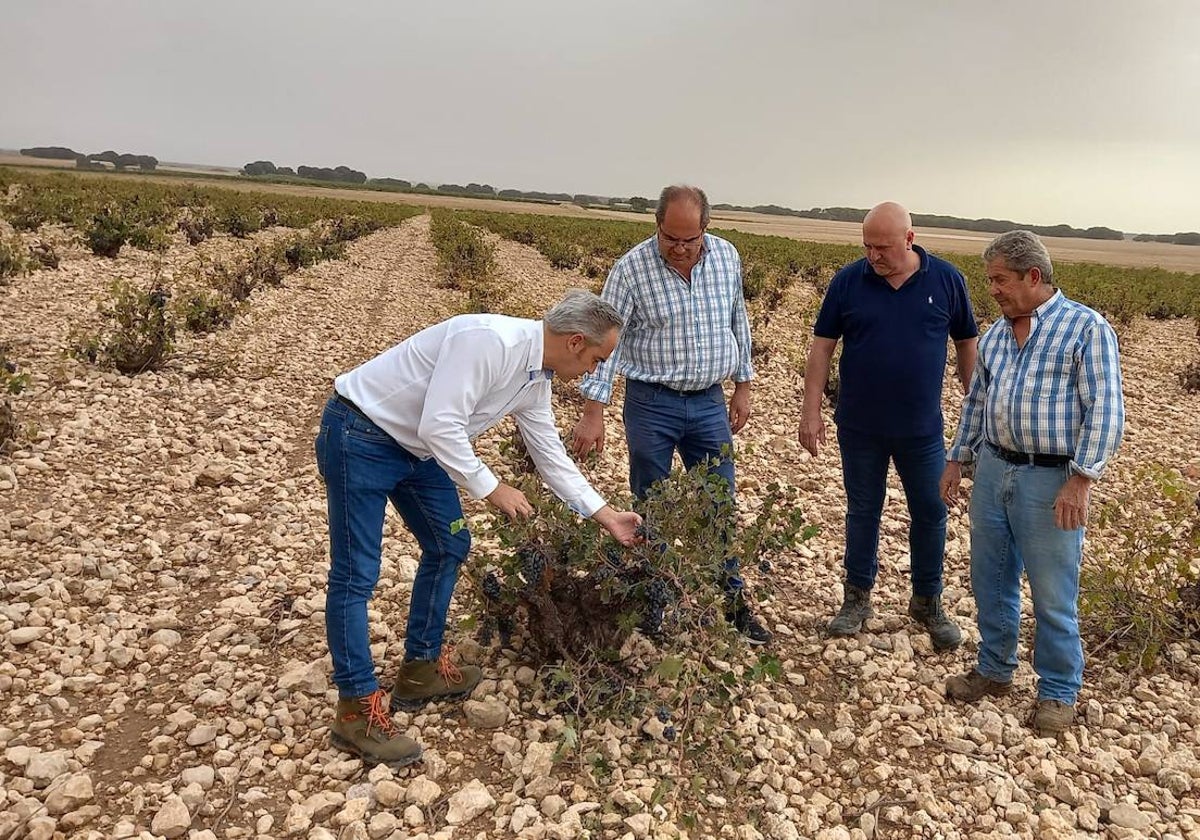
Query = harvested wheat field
x=164 y=671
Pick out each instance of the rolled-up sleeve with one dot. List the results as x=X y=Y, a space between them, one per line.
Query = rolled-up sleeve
x=741 y=330
x=1100 y=394
x=969 y=437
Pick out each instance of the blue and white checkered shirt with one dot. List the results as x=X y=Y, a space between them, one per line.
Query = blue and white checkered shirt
x=1060 y=394
x=684 y=335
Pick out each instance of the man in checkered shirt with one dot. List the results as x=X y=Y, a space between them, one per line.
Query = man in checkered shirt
x=1043 y=417
x=686 y=332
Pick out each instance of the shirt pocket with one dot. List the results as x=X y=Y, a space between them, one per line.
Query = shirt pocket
x=1050 y=376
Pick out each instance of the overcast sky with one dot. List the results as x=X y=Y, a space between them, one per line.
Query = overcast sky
x=1085 y=112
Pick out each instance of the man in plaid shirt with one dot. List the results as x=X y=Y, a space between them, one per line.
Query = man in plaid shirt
x=686 y=331
x=1042 y=419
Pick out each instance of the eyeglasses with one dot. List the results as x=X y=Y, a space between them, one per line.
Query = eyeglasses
x=673 y=241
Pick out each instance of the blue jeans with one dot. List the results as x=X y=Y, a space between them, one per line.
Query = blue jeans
x=363 y=467
x=659 y=421
x=919 y=462
x=1012 y=528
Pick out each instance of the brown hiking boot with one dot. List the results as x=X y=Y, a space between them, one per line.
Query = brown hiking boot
x=364 y=727
x=423 y=680
x=971 y=686
x=1050 y=717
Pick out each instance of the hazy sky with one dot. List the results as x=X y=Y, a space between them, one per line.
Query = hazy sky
x=1085 y=112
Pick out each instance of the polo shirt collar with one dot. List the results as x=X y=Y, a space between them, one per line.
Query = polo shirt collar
x=921 y=269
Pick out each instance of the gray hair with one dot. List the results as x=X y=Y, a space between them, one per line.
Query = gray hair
x=581 y=311
x=1021 y=250
x=682 y=192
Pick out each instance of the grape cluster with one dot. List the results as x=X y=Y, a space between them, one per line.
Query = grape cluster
x=657 y=597
x=764 y=566
x=486 y=628
x=504 y=627
x=556 y=686
x=491 y=586
x=646 y=532
x=533 y=564
x=663 y=714
x=669 y=733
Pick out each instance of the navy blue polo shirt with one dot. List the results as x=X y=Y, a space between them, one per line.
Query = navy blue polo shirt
x=894 y=344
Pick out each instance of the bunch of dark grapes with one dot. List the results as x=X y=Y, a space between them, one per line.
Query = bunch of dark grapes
x=158 y=298
x=504 y=627
x=491 y=586
x=486 y=628
x=533 y=564
x=657 y=596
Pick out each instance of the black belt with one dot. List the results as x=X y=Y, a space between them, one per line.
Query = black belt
x=349 y=403
x=1030 y=458
x=658 y=385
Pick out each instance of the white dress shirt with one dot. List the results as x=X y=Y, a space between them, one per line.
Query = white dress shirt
x=439 y=389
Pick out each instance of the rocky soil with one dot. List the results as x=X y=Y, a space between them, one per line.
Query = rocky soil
x=163 y=669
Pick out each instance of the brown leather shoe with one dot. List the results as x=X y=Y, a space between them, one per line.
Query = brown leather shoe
x=1050 y=717
x=423 y=680
x=364 y=727
x=971 y=686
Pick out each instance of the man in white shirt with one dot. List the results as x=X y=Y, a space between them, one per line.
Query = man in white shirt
x=399 y=427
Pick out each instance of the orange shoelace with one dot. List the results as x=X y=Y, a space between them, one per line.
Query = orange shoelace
x=448 y=671
x=379 y=714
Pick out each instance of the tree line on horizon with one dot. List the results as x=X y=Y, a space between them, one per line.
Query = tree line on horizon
x=640 y=204
x=146 y=163
x=266 y=170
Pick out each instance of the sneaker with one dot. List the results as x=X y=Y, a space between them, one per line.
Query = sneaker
x=750 y=627
x=364 y=726
x=423 y=680
x=927 y=611
x=856 y=608
x=1050 y=717
x=971 y=686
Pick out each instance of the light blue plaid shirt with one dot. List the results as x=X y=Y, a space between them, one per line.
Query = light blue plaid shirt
x=686 y=336
x=1060 y=394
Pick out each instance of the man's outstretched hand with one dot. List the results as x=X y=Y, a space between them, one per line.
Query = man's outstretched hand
x=622 y=524
x=510 y=501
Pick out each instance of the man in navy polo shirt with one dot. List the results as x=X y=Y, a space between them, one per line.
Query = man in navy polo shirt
x=893 y=310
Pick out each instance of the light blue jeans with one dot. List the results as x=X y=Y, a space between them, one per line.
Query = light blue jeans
x=1012 y=529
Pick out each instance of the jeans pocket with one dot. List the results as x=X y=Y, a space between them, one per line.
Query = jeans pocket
x=321 y=444
x=641 y=392
x=364 y=430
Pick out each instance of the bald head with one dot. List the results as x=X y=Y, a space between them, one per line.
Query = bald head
x=888 y=239
x=888 y=218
